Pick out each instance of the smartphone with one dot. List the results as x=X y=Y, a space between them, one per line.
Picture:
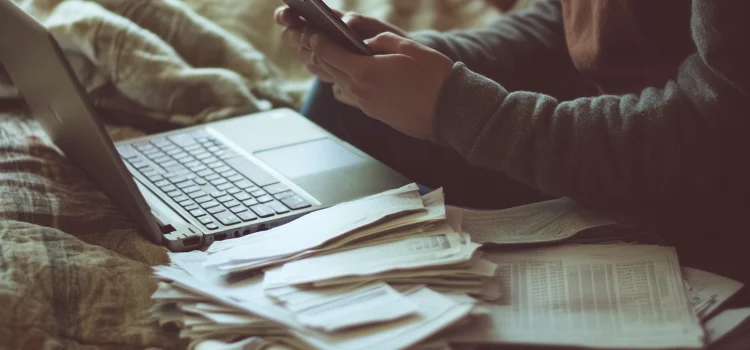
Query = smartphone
x=321 y=18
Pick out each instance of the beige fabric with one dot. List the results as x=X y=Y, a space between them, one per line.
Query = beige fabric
x=183 y=63
x=74 y=273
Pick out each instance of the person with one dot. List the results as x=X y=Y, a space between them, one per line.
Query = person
x=638 y=107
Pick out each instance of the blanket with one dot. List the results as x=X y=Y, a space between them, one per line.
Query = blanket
x=74 y=270
x=178 y=63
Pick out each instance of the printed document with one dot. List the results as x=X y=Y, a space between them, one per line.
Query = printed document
x=549 y=221
x=616 y=296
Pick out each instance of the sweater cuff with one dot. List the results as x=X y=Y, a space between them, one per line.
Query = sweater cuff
x=466 y=102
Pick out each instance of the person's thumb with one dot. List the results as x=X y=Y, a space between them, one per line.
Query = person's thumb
x=386 y=43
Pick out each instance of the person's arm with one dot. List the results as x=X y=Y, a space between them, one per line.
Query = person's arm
x=525 y=50
x=684 y=145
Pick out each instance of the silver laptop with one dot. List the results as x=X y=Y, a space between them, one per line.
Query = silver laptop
x=191 y=187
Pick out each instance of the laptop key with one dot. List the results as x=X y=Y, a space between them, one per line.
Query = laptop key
x=250 y=202
x=216 y=210
x=198 y=213
x=238 y=209
x=212 y=226
x=235 y=178
x=227 y=218
x=182 y=198
x=229 y=173
x=212 y=177
x=198 y=168
x=225 y=198
x=214 y=165
x=192 y=147
x=224 y=187
x=176 y=178
x=265 y=199
x=206 y=220
x=295 y=202
x=212 y=149
x=263 y=210
x=168 y=163
x=276 y=188
x=219 y=181
x=174 y=193
x=222 y=169
x=231 y=204
x=160 y=160
x=193 y=163
x=182 y=140
x=191 y=189
x=218 y=194
x=258 y=193
x=197 y=194
x=204 y=173
x=234 y=190
x=162 y=183
x=203 y=199
x=247 y=216
x=283 y=195
x=168 y=188
x=154 y=177
x=192 y=207
x=127 y=152
x=241 y=196
x=200 y=181
x=210 y=160
x=201 y=155
x=186 y=183
x=173 y=151
x=244 y=184
x=210 y=204
x=278 y=207
x=139 y=164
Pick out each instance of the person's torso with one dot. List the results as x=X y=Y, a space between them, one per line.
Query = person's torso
x=624 y=46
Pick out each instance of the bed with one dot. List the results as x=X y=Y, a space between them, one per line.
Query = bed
x=74 y=271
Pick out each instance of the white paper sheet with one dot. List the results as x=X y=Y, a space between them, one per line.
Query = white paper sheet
x=708 y=291
x=549 y=221
x=606 y=296
x=726 y=321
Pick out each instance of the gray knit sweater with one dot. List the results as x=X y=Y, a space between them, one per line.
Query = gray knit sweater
x=674 y=155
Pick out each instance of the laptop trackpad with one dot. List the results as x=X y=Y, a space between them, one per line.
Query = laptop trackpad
x=308 y=158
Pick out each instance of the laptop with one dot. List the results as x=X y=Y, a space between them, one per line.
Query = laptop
x=190 y=187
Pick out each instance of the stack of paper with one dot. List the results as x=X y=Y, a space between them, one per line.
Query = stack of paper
x=351 y=276
x=232 y=312
x=398 y=270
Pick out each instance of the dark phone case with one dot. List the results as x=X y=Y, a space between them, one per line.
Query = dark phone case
x=313 y=12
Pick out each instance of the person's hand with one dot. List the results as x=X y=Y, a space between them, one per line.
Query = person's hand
x=297 y=34
x=399 y=87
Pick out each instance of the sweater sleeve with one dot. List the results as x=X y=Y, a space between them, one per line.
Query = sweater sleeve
x=525 y=50
x=679 y=146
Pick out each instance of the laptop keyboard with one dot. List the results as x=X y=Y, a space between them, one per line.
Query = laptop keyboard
x=214 y=184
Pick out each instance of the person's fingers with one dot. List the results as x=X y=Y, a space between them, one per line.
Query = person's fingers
x=390 y=43
x=336 y=74
x=335 y=55
x=287 y=17
x=306 y=56
x=320 y=73
x=344 y=96
x=305 y=39
x=291 y=36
